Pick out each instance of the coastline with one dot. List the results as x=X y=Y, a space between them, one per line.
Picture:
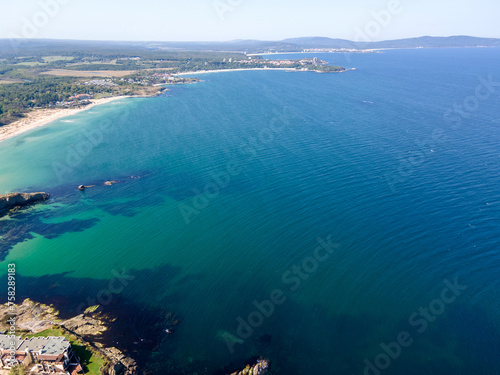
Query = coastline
x=233 y=70
x=253 y=69
x=362 y=50
x=312 y=52
x=41 y=117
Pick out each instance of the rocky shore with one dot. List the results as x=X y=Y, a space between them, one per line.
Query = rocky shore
x=9 y=201
x=88 y=329
x=33 y=317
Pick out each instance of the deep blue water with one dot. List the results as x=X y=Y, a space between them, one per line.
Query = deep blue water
x=377 y=161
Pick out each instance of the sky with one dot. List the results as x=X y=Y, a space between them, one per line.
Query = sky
x=221 y=20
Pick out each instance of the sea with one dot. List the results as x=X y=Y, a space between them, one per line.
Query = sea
x=335 y=223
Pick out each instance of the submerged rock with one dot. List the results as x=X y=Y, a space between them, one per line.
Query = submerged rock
x=8 y=201
x=83 y=187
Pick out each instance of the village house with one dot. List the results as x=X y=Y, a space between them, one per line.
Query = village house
x=41 y=355
x=81 y=97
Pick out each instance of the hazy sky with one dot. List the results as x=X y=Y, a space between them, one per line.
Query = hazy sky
x=184 y=20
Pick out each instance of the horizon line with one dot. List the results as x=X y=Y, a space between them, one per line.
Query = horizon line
x=244 y=40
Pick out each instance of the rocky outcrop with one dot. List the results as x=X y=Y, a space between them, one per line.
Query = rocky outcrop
x=119 y=364
x=36 y=317
x=260 y=368
x=84 y=325
x=31 y=316
x=8 y=201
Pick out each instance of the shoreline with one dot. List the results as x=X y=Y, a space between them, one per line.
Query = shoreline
x=44 y=116
x=253 y=69
x=233 y=70
x=40 y=117
x=312 y=52
x=362 y=50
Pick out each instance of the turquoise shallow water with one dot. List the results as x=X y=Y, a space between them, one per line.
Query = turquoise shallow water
x=224 y=186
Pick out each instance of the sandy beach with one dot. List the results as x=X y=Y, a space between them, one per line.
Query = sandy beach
x=41 y=117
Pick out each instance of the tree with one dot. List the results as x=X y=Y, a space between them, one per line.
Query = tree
x=18 y=370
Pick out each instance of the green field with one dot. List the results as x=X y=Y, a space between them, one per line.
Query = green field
x=29 y=63
x=49 y=59
x=9 y=81
x=46 y=333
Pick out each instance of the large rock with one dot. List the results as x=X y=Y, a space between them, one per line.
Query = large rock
x=31 y=316
x=8 y=201
x=119 y=363
x=117 y=369
x=84 y=325
x=260 y=368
